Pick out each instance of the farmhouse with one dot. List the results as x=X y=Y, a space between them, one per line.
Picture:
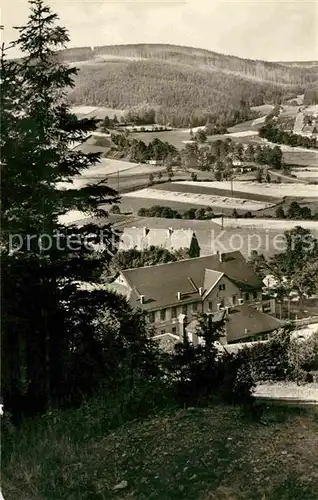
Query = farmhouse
x=155 y=162
x=236 y=161
x=305 y=126
x=170 y=239
x=173 y=294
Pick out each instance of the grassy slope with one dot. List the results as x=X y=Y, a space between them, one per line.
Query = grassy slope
x=199 y=454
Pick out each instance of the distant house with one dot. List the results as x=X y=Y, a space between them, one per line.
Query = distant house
x=155 y=162
x=236 y=161
x=305 y=126
x=142 y=238
x=221 y=284
x=246 y=167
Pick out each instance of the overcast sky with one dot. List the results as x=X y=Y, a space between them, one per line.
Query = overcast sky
x=258 y=29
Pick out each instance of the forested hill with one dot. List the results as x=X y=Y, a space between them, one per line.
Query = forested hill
x=184 y=85
x=201 y=58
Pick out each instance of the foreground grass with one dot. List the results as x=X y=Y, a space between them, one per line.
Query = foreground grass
x=203 y=454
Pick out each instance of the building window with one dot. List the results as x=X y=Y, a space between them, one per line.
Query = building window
x=254 y=295
x=234 y=300
x=174 y=330
x=163 y=314
x=185 y=309
x=210 y=305
x=221 y=287
x=195 y=307
x=163 y=332
x=173 y=312
x=247 y=297
x=151 y=317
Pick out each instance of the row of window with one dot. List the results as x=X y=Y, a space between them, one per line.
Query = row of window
x=194 y=307
x=163 y=312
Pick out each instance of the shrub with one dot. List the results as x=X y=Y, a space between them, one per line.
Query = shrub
x=201 y=372
x=115 y=209
x=303 y=357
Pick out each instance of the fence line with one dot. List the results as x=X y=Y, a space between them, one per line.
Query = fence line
x=305 y=321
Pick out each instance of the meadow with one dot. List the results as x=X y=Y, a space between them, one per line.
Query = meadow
x=304 y=158
x=203 y=187
x=98 y=112
x=279 y=191
x=270 y=224
x=214 y=453
x=160 y=196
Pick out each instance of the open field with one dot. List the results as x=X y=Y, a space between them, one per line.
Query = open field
x=108 y=167
x=176 y=137
x=179 y=137
x=96 y=111
x=288 y=390
x=263 y=109
x=271 y=224
x=244 y=126
x=289 y=111
x=197 y=453
x=243 y=133
x=273 y=190
x=131 y=204
x=199 y=199
x=199 y=188
x=259 y=121
x=310 y=175
x=303 y=158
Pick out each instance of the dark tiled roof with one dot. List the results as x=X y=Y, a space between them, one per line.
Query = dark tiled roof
x=246 y=321
x=160 y=284
x=243 y=322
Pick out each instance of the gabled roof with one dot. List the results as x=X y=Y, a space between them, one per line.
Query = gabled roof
x=142 y=238
x=160 y=284
x=211 y=278
x=242 y=322
x=245 y=321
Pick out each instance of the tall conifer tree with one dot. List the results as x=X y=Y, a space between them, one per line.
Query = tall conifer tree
x=45 y=314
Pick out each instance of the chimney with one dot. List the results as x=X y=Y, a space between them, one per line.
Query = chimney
x=220 y=257
x=145 y=232
x=200 y=291
x=182 y=330
x=142 y=299
x=170 y=231
x=179 y=295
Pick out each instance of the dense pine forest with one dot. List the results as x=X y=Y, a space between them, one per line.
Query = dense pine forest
x=185 y=86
